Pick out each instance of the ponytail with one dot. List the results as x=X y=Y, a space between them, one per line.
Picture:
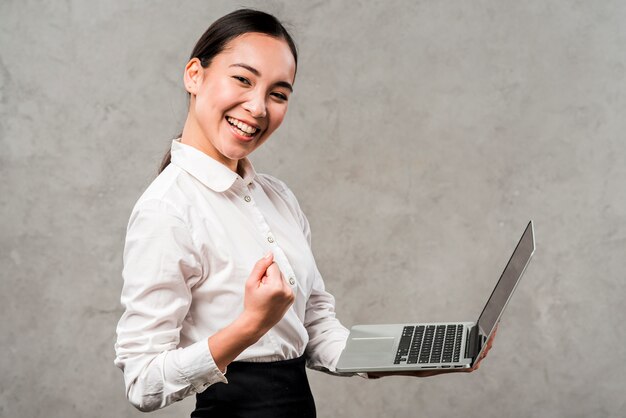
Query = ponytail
x=167 y=158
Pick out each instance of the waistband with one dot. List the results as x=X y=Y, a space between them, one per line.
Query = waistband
x=298 y=362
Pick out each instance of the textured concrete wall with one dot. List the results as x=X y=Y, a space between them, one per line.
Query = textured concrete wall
x=421 y=138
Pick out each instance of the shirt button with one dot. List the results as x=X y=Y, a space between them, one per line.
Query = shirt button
x=292 y=281
x=247 y=198
x=270 y=239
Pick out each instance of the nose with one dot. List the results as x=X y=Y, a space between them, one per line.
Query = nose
x=255 y=105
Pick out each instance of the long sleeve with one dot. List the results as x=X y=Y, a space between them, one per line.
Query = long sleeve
x=161 y=264
x=327 y=336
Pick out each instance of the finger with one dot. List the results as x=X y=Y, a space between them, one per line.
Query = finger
x=273 y=272
x=276 y=278
x=494 y=332
x=261 y=266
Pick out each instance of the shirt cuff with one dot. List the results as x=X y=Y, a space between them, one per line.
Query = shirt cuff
x=199 y=368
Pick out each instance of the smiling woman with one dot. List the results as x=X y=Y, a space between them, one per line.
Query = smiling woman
x=218 y=268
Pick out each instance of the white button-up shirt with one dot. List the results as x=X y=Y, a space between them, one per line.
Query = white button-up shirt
x=192 y=240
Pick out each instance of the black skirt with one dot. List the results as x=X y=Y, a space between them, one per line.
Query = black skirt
x=275 y=389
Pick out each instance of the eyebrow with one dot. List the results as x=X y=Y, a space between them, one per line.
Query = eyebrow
x=258 y=74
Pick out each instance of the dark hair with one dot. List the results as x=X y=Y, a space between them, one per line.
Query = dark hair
x=223 y=30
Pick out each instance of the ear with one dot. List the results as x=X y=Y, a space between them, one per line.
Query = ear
x=193 y=76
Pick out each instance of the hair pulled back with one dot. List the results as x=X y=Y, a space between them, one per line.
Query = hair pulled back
x=223 y=30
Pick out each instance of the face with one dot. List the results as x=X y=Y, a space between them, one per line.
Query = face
x=240 y=98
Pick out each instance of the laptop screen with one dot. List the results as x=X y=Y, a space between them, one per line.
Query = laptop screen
x=507 y=283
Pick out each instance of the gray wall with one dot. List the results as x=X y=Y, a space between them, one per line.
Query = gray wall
x=421 y=138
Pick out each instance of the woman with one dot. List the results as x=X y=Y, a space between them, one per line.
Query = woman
x=217 y=262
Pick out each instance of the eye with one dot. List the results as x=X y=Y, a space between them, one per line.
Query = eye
x=242 y=79
x=280 y=96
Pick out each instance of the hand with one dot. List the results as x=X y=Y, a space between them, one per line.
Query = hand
x=267 y=295
x=266 y=299
x=429 y=373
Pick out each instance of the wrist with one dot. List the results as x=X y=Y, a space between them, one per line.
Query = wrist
x=226 y=344
x=249 y=328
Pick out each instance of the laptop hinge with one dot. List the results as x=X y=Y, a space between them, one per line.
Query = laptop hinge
x=473 y=345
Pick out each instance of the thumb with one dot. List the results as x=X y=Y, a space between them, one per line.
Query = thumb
x=259 y=269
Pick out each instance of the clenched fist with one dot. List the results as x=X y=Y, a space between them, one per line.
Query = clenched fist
x=267 y=295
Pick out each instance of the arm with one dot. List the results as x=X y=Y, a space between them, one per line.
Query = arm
x=327 y=336
x=161 y=264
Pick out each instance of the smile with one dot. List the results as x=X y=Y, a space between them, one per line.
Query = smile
x=242 y=128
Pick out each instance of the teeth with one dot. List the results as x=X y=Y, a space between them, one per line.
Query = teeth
x=244 y=127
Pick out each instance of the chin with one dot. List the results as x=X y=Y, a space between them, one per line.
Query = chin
x=236 y=154
x=237 y=151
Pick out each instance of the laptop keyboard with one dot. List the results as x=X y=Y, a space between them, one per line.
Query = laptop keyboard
x=430 y=344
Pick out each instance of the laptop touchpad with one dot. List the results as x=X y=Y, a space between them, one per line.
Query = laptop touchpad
x=369 y=345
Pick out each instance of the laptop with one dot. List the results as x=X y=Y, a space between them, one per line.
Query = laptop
x=420 y=346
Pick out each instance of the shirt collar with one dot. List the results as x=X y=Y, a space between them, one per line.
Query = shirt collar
x=208 y=171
